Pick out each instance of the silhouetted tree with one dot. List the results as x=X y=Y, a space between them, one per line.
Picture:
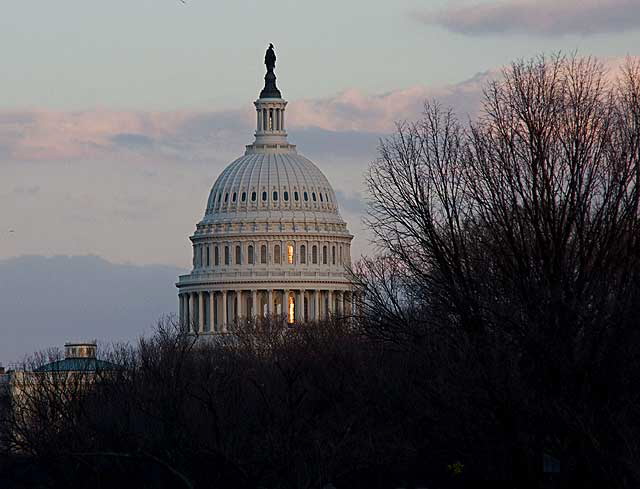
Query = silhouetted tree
x=512 y=256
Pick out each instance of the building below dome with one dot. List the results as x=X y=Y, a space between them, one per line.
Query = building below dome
x=272 y=241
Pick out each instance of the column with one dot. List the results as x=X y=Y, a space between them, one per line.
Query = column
x=190 y=310
x=300 y=306
x=270 y=304
x=212 y=310
x=180 y=309
x=341 y=303
x=223 y=322
x=200 y=312
x=282 y=119
x=238 y=305
x=254 y=303
x=330 y=310
x=259 y=119
x=285 y=303
x=316 y=305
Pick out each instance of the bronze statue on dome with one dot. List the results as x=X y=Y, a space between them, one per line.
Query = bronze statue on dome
x=270 y=89
x=270 y=58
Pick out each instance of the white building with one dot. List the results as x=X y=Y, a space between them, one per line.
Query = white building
x=272 y=240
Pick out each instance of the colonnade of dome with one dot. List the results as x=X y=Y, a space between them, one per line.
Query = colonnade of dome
x=272 y=241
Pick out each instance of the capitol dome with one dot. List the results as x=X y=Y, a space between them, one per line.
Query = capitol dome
x=272 y=241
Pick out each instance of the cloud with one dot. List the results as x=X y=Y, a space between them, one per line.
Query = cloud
x=117 y=302
x=538 y=17
x=133 y=141
x=349 y=121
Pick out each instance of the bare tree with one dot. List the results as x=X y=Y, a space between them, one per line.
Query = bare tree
x=519 y=235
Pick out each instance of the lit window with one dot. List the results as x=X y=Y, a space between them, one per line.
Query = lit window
x=292 y=310
x=303 y=254
x=290 y=254
x=276 y=254
x=263 y=254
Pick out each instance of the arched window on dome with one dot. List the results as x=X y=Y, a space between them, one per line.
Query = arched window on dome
x=208 y=262
x=324 y=255
x=290 y=254
x=250 y=254
x=276 y=254
x=264 y=196
x=226 y=255
x=314 y=255
x=235 y=195
x=238 y=255
x=333 y=255
x=244 y=196
x=321 y=199
x=303 y=254
x=226 y=197
x=219 y=197
x=263 y=254
x=254 y=196
x=313 y=196
x=306 y=197
x=326 y=197
x=275 y=196
x=216 y=256
x=285 y=195
x=296 y=197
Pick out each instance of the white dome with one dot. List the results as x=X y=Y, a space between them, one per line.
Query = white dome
x=272 y=240
x=272 y=185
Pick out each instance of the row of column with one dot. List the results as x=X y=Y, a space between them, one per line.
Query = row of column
x=203 y=311
x=272 y=115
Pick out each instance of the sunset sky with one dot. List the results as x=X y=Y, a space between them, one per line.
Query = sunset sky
x=117 y=116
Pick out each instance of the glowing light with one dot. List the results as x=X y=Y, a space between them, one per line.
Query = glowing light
x=292 y=310
x=290 y=254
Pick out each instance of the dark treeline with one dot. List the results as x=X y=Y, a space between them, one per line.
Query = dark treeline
x=498 y=331
x=273 y=406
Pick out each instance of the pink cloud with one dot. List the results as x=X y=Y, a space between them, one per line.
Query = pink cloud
x=539 y=17
x=42 y=135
